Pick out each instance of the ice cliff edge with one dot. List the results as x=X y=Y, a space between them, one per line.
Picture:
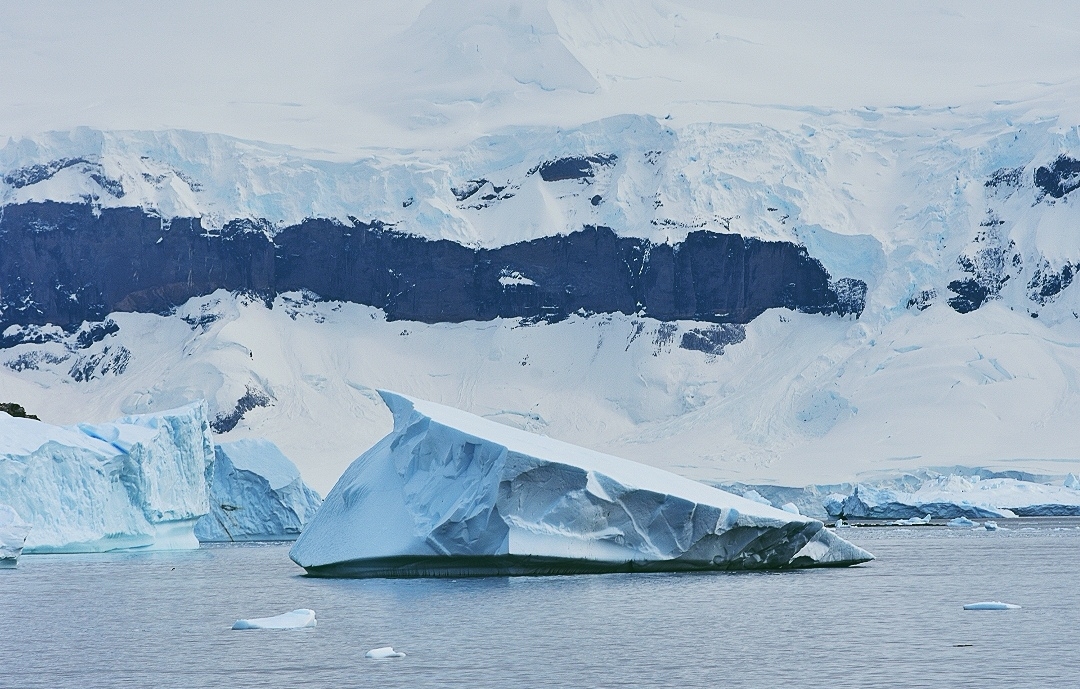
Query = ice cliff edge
x=140 y=481
x=448 y=493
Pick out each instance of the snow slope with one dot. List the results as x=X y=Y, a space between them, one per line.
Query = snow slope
x=340 y=75
x=802 y=399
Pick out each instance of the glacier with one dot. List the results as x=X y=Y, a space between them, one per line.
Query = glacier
x=257 y=494
x=448 y=493
x=140 y=481
x=13 y=532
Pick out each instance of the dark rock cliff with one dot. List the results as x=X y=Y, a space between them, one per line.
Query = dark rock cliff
x=66 y=263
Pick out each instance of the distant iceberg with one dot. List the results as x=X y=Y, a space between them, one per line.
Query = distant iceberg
x=952 y=496
x=257 y=494
x=140 y=481
x=448 y=493
x=13 y=532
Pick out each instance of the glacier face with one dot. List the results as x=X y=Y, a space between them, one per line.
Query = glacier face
x=256 y=494
x=140 y=481
x=448 y=493
x=13 y=532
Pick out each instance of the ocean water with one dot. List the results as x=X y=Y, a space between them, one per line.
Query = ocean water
x=163 y=620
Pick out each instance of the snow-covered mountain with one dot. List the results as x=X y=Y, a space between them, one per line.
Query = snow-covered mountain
x=653 y=232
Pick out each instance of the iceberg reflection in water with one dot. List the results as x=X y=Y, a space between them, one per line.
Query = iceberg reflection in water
x=448 y=493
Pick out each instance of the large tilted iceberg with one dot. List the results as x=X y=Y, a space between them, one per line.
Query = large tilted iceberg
x=448 y=493
x=140 y=481
x=257 y=495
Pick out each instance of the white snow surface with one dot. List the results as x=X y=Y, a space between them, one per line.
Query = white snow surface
x=301 y=618
x=256 y=494
x=447 y=484
x=140 y=481
x=341 y=75
x=13 y=532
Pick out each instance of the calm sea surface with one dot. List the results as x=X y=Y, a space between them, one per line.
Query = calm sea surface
x=162 y=620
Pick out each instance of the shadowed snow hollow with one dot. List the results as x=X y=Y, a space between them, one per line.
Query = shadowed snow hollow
x=448 y=493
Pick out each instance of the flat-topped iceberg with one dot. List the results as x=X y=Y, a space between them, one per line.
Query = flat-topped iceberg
x=140 y=481
x=947 y=497
x=257 y=494
x=303 y=618
x=13 y=532
x=448 y=493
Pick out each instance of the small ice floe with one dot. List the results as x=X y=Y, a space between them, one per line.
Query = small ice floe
x=914 y=521
x=990 y=525
x=991 y=605
x=384 y=653
x=841 y=524
x=790 y=507
x=961 y=523
x=297 y=619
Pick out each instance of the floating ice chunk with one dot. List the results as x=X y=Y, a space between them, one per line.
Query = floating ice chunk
x=790 y=507
x=13 y=531
x=990 y=525
x=257 y=495
x=991 y=605
x=297 y=619
x=1072 y=481
x=758 y=498
x=384 y=653
x=448 y=493
x=961 y=523
x=914 y=521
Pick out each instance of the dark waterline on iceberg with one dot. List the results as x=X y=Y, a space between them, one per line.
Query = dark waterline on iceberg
x=162 y=620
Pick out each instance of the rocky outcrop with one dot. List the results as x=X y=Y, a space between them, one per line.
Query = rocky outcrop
x=68 y=263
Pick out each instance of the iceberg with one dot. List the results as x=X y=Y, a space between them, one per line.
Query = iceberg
x=951 y=496
x=447 y=493
x=869 y=502
x=384 y=653
x=13 y=531
x=140 y=481
x=961 y=523
x=256 y=495
x=302 y=618
x=991 y=605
